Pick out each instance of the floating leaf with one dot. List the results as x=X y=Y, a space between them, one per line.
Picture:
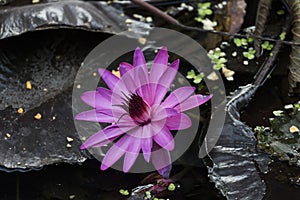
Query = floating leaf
x=280 y=12
x=282 y=35
x=267 y=45
x=190 y=74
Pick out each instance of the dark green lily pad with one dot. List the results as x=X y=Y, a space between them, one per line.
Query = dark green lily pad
x=49 y=59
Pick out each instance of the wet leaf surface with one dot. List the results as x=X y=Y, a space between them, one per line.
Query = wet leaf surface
x=18 y=17
x=234 y=164
x=50 y=65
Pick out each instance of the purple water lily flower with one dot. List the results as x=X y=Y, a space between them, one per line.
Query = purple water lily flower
x=141 y=117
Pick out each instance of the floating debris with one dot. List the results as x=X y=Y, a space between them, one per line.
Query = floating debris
x=35 y=1
x=208 y=24
x=128 y=21
x=142 y=40
x=28 y=85
x=72 y=196
x=20 y=111
x=68 y=145
x=228 y=73
x=8 y=135
x=38 y=116
x=69 y=139
x=289 y=106
x=213 y=76
x=245 y=62
x=277 y=113
x=294 y=129
x=184 y=6
x=149 y=19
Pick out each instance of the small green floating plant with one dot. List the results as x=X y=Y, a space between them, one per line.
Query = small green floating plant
x=203 y=11
x=218 y=58
x=282 y=36
x=250 y=54
x=196 y=78
x=240 y=42
x=267 y=45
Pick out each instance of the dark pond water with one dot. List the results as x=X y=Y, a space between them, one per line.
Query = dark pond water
x=86 y=181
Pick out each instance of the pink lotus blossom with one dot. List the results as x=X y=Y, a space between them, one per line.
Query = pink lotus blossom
x=140 y=114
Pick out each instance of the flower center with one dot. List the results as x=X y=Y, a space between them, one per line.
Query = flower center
x=139 y=110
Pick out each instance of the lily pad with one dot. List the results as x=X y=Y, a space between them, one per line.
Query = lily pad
x=37 y=127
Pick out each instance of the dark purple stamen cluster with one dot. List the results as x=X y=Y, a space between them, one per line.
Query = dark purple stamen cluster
x=138 y=110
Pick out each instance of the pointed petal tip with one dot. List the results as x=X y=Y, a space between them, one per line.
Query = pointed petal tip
x=207 y=97
x=139 y=58
x=82 y=147
x=164 y=48
x=165 y=172
x=175 y=64
x=126 y=168
x=147 y=157
x=103 y=167
x=101 y=71
x=78 y=116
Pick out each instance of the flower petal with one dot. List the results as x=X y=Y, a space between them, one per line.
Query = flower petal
x=159 y=93
x=124 y=67
x=141 y=131
x=146 y=145
x=178 y=122
x=146 y=91
x=94 y=116
x=165 y=139
x=161 y=160
x=109 y=78
x=102 y=136
x=100 y=99
x=162 y=56
x=132 y=153
x=192 y=102
x=165 y=81
x=167 y=78
x=159 y=65
x=141 y=78
x=138 y=58
x=115 y=152
x=159 y=113
x=178 y=96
